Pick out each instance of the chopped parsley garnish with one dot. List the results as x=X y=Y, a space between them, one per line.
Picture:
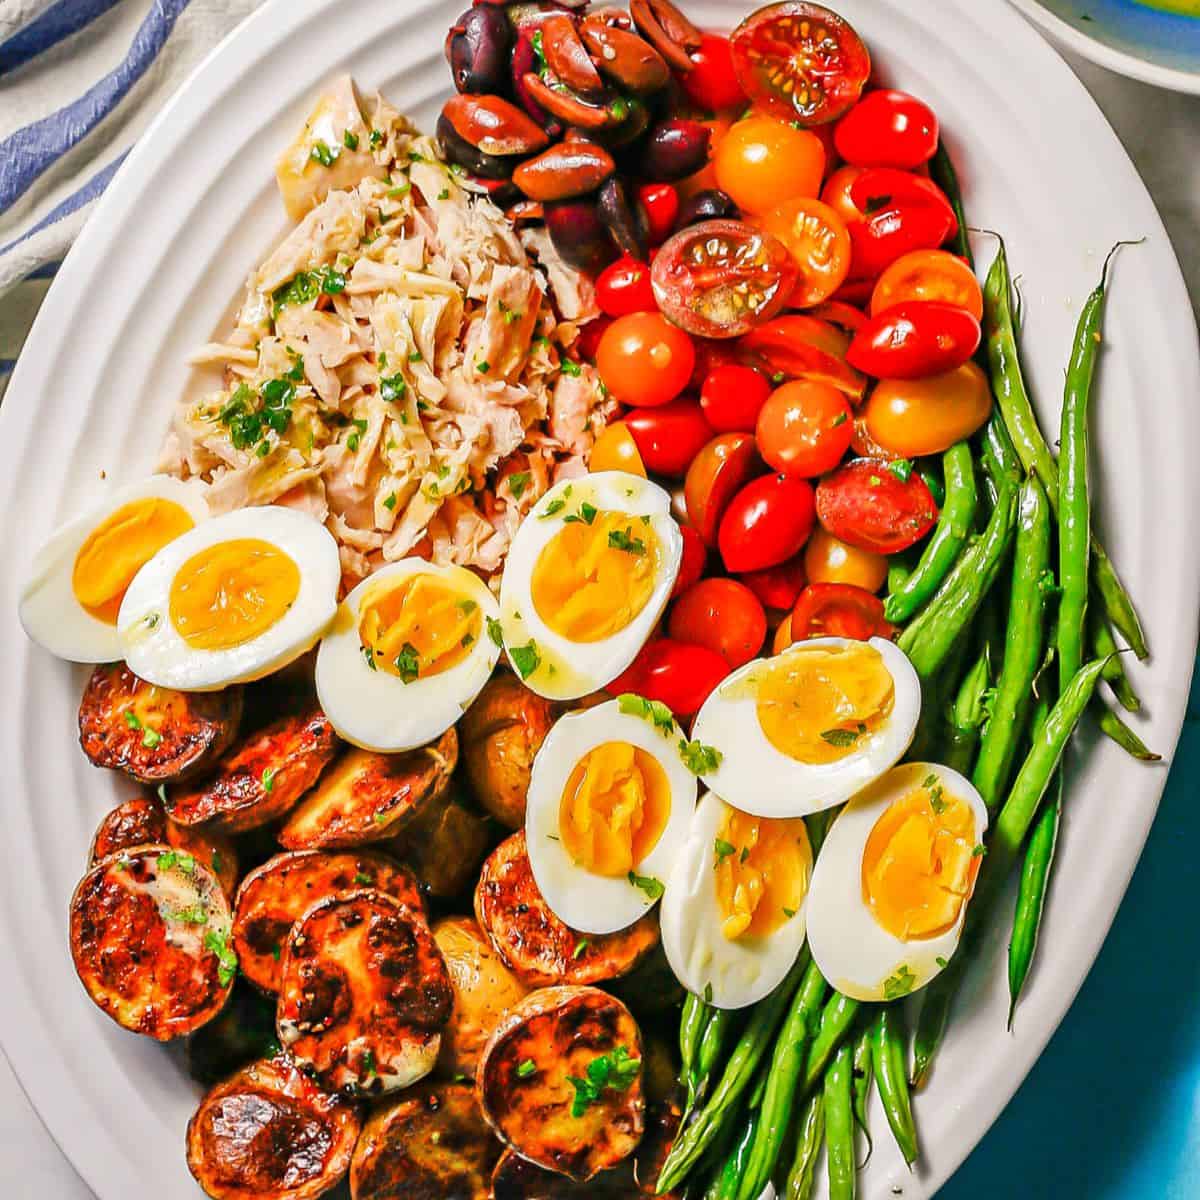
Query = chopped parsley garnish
x=415 y=356
x=654 y=711
x=195 y=914
x=841 y=738
x=840 y=419
x=517 y=483
x=587 y=512
x=525 y=1068
x=495 y=631
x=723 y=850
x=467 y=639
x=789 y=913
x=619 y=539
x=408 y=662
x=151 y=738
x=708 y=993
x=132 y=719
x=483 y=366
x=699 y=758
x=874 y=481
x=614 y=1072
x=525 y=658
x=307 y=285
x=444 y=194
x=937 y=799
x=941 y=962
x=580 y=947
x=390 y=501
x=648 y=884
x=362 y=877
x=570 y=367
x=979 y=850
x=162 y=793
x=268 y=780
x=899 y=984
x=323 y=153
x=248 y=425
x=376 y=138
x=350 y=140
x=227 y=960
x=392 y=389
x=902 y=468
x=368 y=1062
x=177 y=860
x=369 y=656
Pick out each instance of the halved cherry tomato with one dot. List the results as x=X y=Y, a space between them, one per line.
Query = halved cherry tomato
x=590 y=335
x=928 y=275
x=837 y=194
x=615 y=450
x=800 y=60
x=797 y=346
x=914 y=340
x=723 y=615
x=761 y=162
x=838 y=610
x=778 y=586
x=691 y=565
x=678 y=674
x=817 y=239
x=670 y=436
x=732 y=396
x=869 y=504
x=911 y=417
x=804 y=428
x=888 y=129
x=877 y=188
x=718 y=279
x=829 y=560
x=660 y=203
x=644 y=360
x=716 y=475
x=712 y=83
x=895 y=230
x=838 y=312
x=624 y=287
x=768 y=521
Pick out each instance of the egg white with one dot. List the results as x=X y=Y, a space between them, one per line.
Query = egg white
x=377 y=710
x=154 y=649
x=570 y=669
x=585 y=901
x=854 y=952
x=48 y=609
x=759 y=779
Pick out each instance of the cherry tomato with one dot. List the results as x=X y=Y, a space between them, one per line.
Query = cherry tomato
x=817 y=239
x=783 y=635
x=615 y=450
x=888 y=129
x=877 y=188
x=864 y=445
x=767 y=522
x=870 y=504
x=717 y=473
x=762 y=162
x=718 y=279
x=778 y=586
x=660 y=203
x=829 y=560
x=838 y=312
x=928 y=275
x=710 y=355
x=797 y=346
x=590 y=335
x=838 y=610
x=644 y=360
x=678 y=674
x=691 y=566
x=804 y=428
x=837 y=194
x=723 y=615
x=899 y=228
x=624 y=287
x=670 y=436
x=801 y=61
x=731 y=397
x=914 y=340
x=911 y=417
x=854 y=291
x=712 y=84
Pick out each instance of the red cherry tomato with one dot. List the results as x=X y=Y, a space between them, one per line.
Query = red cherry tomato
x=913 y=341
x=691 y=566
x=887 y=129
x=804 y=428
x=895 y=230
x=709 y=356
x=715 y=476
x=712 y=84
x=778 y=586
x=731 y=397
x=871 y=504
x=670 y=436
x=644 y=360
x=838 y=312
x=590 y=335
x=624 y=287
x=767 y=522
x=838 y=610
x=877 y=188
x=798 y=346
x=677 y=674
x=722 y=614
x=660 y=203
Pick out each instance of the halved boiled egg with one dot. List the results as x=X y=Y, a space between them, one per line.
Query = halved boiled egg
x=805 y=730
x=69 y=603
x=408 y=652
x=733 y=917
x=892 y=882
x=232 y=600
x=588 y=575
x=610 y=802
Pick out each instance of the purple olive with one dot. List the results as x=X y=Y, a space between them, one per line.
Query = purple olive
x=457 y=149
x=674 y=150
x=578 y=234
x=625 y=222
x=477 y=49
x=709 y=205
x=524 y=62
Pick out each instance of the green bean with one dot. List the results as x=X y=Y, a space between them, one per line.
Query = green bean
x=900 y=567
x=1103 y=645
x=710 y=1048
x=810 y=1135
x=935 y=483
x=936 y=1002
x=936 y=697
x=863 y=1073
x=1112 y=726
x=967 y=713
x=836 y=1021
x=941 y=168
x=839 y=1125
x=888 y=1052
x=692 y=1023
x=733 y=1172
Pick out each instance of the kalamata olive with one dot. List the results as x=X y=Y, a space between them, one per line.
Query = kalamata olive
x=524 y=62
x=572 y=168
x=573 y=109
x=493 y=125
x=674 y=150
x=712 y=204
x=524 y=211
x=624 y=57
x=457 y=149
x=578 y=234
x=618 y=137
x=567 y=57
x=477 y=49
x=667 y=30
x=625 y=221
x=501 y=192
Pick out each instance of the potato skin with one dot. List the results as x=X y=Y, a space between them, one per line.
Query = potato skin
x=535 y=945
x=562 y=1031
x=432 y=1143
x=190 y=730
x=270 y=1133
x=276 y=895
x=263 y=778
x=446 y=844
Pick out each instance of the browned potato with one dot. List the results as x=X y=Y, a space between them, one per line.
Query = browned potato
x=151 y=733
x=432 y=1143
x=270 y=1133
x=484 y=990
x=263 y=778
x=150 y=939
x=364 y=993
x=446 y=844
x=534 y=943
x=525 y=1081
x=370 y=797
x=276 y=895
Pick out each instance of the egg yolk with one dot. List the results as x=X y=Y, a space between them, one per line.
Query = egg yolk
x=119 y=547
x=417 y=627
x=614 y=808
x=816 y=705
x=232 y=592
x=763 y=866
x=919 y=865
x=593 y=577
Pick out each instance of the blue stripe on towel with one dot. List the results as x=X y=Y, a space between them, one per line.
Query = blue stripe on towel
x=36 y=147
x=59 y=21
x=45 y=271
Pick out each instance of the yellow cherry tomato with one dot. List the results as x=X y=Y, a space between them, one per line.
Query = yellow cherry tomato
x=828 y=560
x=783 y=635
x=911 y=417
x=615 y=450
x=762 y=162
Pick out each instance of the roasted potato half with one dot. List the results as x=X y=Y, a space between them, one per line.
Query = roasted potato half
x=560 y=1080
x=369 y=797
x=150 y=939
x=270 y=1133
x=446 y=844
x=154 y=734
x=262 y=779
x=433 y=1142
x=364 y=993
x=539 y=949
x=276 y=895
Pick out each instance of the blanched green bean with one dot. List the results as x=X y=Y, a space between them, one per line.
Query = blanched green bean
x=836 y=1021
x=888 y=1051
x=810 y=1135
x=839 y=1125
x=863 y=1075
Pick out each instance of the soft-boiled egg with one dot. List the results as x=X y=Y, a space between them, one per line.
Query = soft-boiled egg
x=588 y=575
x=408 y=652
x=804 y=730
x=733 y=916
x=69 y=603
x=892 y=882
x=610 y=802
x=231 y=600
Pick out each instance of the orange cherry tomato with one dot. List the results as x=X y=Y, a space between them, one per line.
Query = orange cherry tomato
x=838 y=610
x=928 y=275
x=818 y=241
x=838 y=312
x=644 y=360
x=804 y=428
x=762 y=162
x=783 y=635
x=829 y=560
x=836 y=193
x=723 y=615
x=615 y=450
x=911 y=417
